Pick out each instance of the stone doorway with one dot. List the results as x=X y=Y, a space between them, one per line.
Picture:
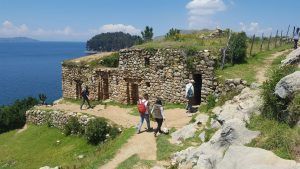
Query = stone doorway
x=103 y=87
x=197 y=89
x=78 y=88
x=132 y=91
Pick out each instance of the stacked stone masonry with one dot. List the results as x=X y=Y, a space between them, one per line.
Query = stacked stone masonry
x=158 y=72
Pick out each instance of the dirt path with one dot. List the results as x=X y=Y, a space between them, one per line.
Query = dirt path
x=143 y=144
x=22 y=129
x=261 y=72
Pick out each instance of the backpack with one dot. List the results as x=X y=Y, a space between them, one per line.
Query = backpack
x=190 y=92
x=141 y=107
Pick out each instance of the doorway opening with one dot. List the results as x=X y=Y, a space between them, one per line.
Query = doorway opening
x=197 y=89
x=78 y=89
x=134 y=93
x=103 y=89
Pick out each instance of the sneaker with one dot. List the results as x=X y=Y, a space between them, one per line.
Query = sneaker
x=138 y=132
x=155 y=135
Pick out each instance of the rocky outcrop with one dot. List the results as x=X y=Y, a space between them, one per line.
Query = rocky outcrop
x=241 y=106
x=54 y=117
x=288 y=85
x=292 y=58
x=188 y=131
x=229 y=85
x=226 y=150
x=241 y=157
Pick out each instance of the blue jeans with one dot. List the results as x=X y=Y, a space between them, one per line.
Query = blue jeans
x=189 y=105
x=147 y=118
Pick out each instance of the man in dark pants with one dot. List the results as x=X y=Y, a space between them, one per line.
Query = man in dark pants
x=189 y=94
x=85 y=94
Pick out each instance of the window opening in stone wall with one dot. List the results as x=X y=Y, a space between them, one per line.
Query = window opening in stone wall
x=148 y=84
x=147 y=62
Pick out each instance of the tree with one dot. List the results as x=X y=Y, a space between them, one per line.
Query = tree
x=173 y=34
x=147 y=34
x=106 y=42
x=238 y=47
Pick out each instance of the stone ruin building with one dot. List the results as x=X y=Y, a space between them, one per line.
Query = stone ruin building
x=158 y=72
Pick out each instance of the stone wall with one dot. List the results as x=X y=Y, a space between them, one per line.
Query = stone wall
x=55 y=118
x=236 y=84
x=158 y=72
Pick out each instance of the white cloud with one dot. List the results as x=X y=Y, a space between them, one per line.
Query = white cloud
x=254 y=28
x=201 y=12
x=117 y=28
x=9 y=29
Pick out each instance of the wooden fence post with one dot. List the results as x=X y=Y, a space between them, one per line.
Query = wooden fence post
x=276 y=38
x=280 y=42
x=269 y=41
x=262 y=41
x=224 y=50
x=252 y=44
x=287 y=34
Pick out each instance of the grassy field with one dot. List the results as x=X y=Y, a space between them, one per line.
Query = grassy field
x=40 y=146
x=247 y=71
x=276 y=137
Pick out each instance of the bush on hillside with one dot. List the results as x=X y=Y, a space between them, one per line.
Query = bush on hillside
x=273 y=106
x=111 y=61
x=294 y=109
x=73 y=127
x=112 y=41
x=97 y=131
x=13 y=116
x=147 y=34
x=173 y=34
x=238 y=47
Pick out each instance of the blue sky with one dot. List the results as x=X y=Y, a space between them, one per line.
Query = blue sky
x=79 y=20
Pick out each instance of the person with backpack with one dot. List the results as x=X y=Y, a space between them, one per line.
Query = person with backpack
x=85 y=97
x=143 y=108
x=158 y=113
x=189 y=94
x=296 y=38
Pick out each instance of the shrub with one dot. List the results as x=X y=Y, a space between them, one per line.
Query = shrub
x=173 y=34
x=294 y=109
x=13 y=116
x=238 y=47
x=73 y=127
x=97 y=130
x=110 y=61
x=211 y=102
x=42 y=98
x=273 y=106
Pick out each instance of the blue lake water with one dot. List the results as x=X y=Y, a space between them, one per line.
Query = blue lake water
x=27 y=69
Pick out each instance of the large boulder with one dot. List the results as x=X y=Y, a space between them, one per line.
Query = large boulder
x=242 y=157
x=288 y=85
x=292 y=58
x=184 y=133
x=241 y=106
x=209 y=154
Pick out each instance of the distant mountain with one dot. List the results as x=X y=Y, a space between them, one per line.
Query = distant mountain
x=17 y=39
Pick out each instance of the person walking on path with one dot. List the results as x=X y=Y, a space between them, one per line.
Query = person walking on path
x=143 y=108
x=189 y=94
x=296 y=38
x=158 y=113
x=85 y=97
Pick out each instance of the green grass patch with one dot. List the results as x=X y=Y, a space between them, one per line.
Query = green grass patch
x=174 y=106
x=37 y=146
x=135 y=162
x=164 y=148
x=276 y=137
x=246 y=70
